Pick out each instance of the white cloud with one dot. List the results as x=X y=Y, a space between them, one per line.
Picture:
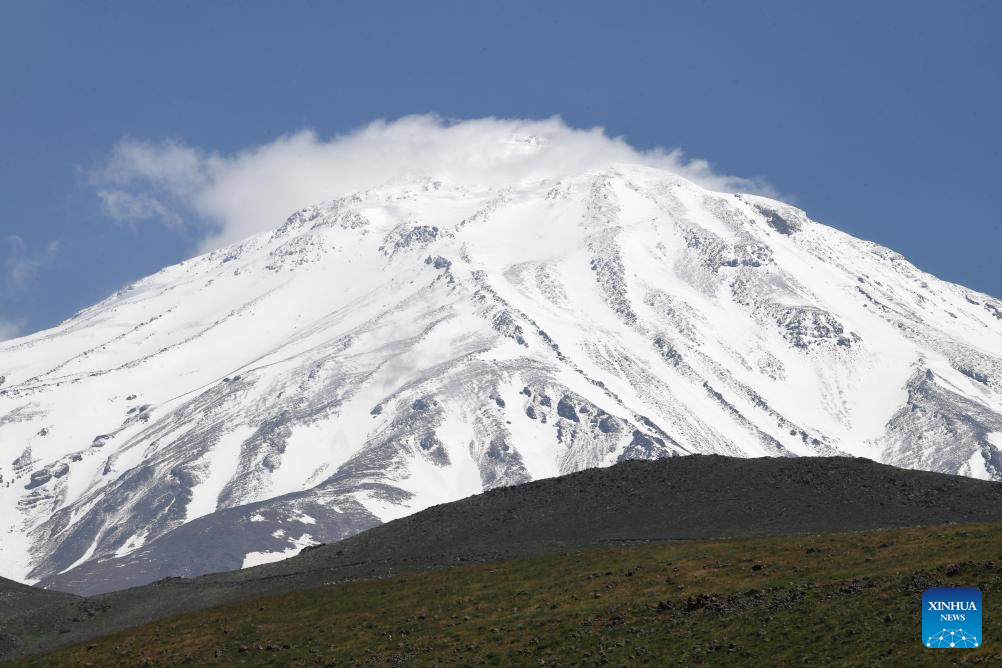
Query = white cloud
x=21 y=266
x=256 y=189
x=10 y=329
x=128 y=207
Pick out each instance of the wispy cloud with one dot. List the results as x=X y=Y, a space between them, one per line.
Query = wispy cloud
x=20 y=267
x=21 y=264
x=10 y=329
x=253 y=190
x=131 y=208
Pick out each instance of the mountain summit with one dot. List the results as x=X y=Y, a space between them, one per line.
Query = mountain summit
x=418 y=343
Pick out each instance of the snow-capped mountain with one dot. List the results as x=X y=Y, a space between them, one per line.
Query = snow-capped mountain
x=418 y=343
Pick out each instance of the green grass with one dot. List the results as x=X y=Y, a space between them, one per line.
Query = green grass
x=833 y=599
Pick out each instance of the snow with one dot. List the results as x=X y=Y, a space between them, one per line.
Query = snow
x=258 y=558
x=531 y=435
x=977 y=468
x=220 y=464
x=308 y=454
x=85 y=556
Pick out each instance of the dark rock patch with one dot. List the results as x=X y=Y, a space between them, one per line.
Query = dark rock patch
x=778 y=222
x=565 y=409
x=39 y=478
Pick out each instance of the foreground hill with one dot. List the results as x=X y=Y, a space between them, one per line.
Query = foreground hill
x=421 y=342
x=689 y=498
x=31 y=607
x=818 y=599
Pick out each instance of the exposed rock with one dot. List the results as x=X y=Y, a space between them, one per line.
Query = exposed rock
x=565 y=409
x=39 y=478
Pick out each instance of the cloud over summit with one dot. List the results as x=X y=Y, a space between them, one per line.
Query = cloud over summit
x=254 y=190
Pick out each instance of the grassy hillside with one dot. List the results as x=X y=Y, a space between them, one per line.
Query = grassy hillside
x=851 y=599
x=691 y=498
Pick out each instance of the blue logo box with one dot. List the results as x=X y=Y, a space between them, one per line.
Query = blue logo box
x=951 y=618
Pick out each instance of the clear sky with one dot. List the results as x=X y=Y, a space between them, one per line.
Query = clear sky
x=883 y=119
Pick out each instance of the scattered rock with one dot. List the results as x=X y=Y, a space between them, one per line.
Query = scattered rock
x=438 y=262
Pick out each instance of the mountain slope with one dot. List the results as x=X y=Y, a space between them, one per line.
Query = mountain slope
x=19 y=605
x=688 y=498
x=421 y=342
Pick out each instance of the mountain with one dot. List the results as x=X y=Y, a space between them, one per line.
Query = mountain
x=633 y=502
x=421 y=342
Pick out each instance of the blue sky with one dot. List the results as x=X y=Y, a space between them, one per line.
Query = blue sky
x=879 y=118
